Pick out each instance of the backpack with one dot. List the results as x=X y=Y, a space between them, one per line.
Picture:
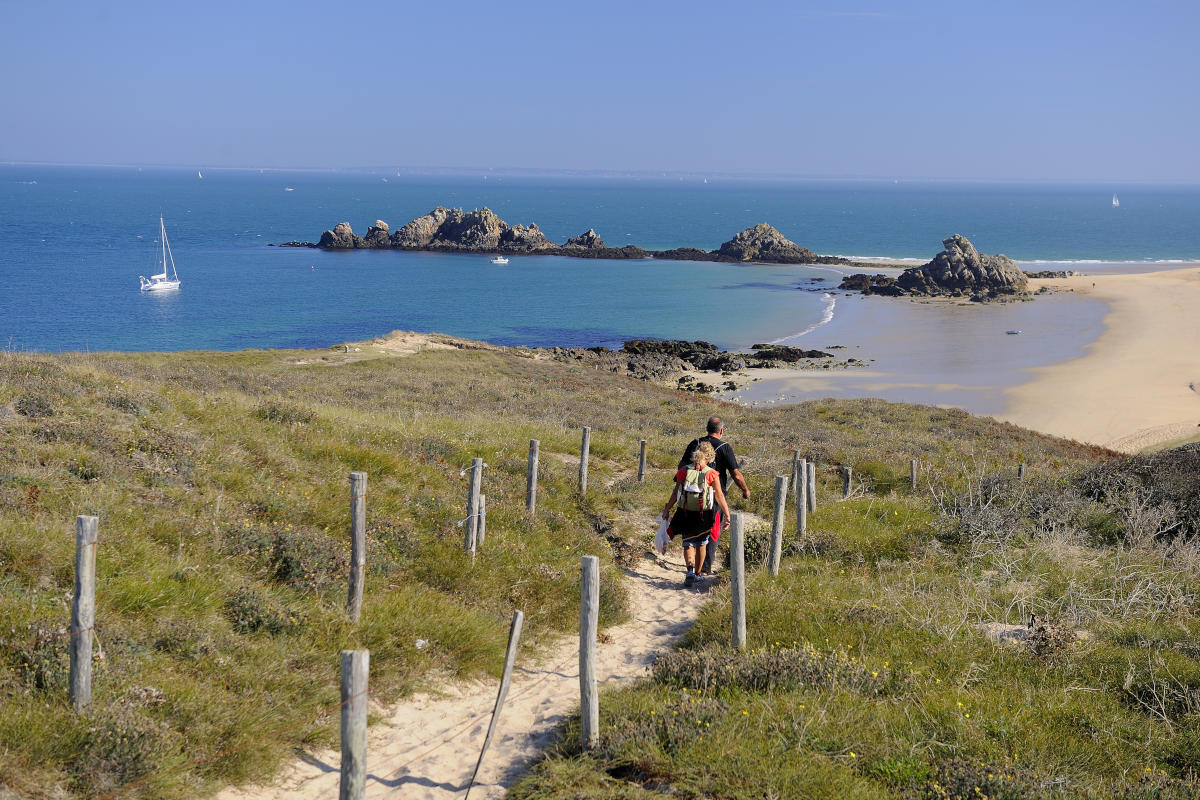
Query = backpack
x=695 y=494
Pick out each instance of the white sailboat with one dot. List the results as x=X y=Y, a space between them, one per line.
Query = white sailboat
x=1116 y=202
x=161 y=281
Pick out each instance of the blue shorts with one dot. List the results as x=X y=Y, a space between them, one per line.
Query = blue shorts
x=696 y=541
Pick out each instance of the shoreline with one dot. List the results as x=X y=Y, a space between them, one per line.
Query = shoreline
x=1109 y=365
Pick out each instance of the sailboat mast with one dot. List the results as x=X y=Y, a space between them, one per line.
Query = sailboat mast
x=162 y=226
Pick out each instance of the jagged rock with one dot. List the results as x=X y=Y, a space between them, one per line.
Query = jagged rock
x=871 y=284
x=763 y=243
x=960 y=270
x=685 y=254
x=1050 y=273
x=417 y=234
x=520 y=239
x=340 y=238
x=589 y=240
x=377 y=236
x=779 y=352
x=628 y=251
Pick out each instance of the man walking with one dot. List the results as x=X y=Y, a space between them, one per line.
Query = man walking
x=726 y=464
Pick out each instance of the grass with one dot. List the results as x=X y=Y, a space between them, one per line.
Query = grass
x=221 y=484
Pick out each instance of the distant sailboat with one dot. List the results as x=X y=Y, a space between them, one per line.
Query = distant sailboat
x=159 y=282
x=199 y=174
x=1116 y=202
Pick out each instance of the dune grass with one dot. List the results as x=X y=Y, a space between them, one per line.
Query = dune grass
x=221 y=483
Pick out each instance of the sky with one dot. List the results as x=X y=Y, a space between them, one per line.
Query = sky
x=964 y=89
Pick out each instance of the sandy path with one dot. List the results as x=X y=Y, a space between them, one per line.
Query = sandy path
x=427 y=746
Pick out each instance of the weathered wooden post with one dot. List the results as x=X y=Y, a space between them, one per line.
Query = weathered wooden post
x=589 y=613
x=531 y=478
x=83 y=611
x=737 y=578
x=358 y=543
x=795 y=474
x=781 y=487
x=1021 y=471
x=641 y=460
x=585 y=445
x=482 y=532
x=812 y=486
x=801 y=497
x=471 y=541
x=847 y=472
x=510 y=656
x=353 y=784
x=912 y=473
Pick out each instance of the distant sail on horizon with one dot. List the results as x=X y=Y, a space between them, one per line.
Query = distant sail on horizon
x=1116 y=202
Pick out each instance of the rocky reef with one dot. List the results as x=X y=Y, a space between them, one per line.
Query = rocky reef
x=958 y=271
x=482 y=231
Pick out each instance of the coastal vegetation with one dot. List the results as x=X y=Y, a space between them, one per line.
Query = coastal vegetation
x=875 y=668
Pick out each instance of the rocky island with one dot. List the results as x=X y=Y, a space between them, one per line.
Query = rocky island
x=958 y=271
x=452 y=230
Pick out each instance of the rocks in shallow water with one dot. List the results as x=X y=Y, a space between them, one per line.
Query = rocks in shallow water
x=764 y=243
x=588 y=240
x=1051 y=273
x=684 y=254
x=958 y=271
x=784 y=353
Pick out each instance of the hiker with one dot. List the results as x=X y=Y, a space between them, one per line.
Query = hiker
x=698 y=492
x=726 y=464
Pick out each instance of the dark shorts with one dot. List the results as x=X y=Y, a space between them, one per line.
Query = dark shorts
x=691 y=525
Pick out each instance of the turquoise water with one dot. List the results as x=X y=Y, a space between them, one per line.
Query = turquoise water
x=73 y=241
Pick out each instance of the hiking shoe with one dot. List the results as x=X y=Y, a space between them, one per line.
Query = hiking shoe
x=689 y=579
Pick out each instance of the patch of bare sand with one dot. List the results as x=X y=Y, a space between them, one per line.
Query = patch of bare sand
x=427 y=746
x=396 y=343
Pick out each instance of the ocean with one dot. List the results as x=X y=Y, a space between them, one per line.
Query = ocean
x=74 y=240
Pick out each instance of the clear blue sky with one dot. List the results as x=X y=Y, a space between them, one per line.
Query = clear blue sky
x=1048 y=90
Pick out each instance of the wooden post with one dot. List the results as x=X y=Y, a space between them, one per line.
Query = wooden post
x=737 y=578
x=812 y=486
x=531 y=478
x=482 y=532
x=641 y=460
x=471 y=540
x=781 y=486
x=801 y=498
x=83 y=611
x=795 y=474
x=514 y=636
x=589 y=612
x=847 y=472
x=355 y=667
x=358 y=543
x=1021 y=471
x=585 y=445
x=912 y=473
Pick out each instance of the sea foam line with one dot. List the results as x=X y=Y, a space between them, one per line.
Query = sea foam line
x=826 y=317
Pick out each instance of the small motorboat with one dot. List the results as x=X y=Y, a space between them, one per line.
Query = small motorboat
x=499 y=260
x=1012 y=333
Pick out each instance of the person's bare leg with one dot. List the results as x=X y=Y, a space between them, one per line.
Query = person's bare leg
x=689 y=558
x=700 y=548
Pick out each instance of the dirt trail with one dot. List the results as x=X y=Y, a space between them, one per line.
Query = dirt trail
x=427 y=746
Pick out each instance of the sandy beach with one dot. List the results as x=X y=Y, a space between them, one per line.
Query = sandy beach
x=1139 y=384
x=1107 y=359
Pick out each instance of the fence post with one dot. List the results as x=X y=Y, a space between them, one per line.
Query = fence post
x=737 y=578
x=1021 y=471
x=358 y=543
x=812 y=486
x=481 y=533
x=472 y=540
x=531 y=478
x=514 y=636
x=847 y=472
x=794 y=475
x=641 y=460
x=912 y=473
x=355 y=667
x=585 y=445
x=589 y=612
x=781 y=487
x=83 y=611
x=801 y=497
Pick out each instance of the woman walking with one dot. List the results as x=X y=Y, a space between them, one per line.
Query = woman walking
x=697 y=491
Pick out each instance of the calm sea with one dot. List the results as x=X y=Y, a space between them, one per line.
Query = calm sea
x=73 y=242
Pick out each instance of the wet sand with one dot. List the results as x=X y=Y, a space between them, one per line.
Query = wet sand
x=1108 y=365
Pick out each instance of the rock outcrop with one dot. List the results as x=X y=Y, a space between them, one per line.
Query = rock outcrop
x=340 y=238
x=958 y=271
x=763 y=243
x=589 y=240
x=377 y=235
x=418 y=234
